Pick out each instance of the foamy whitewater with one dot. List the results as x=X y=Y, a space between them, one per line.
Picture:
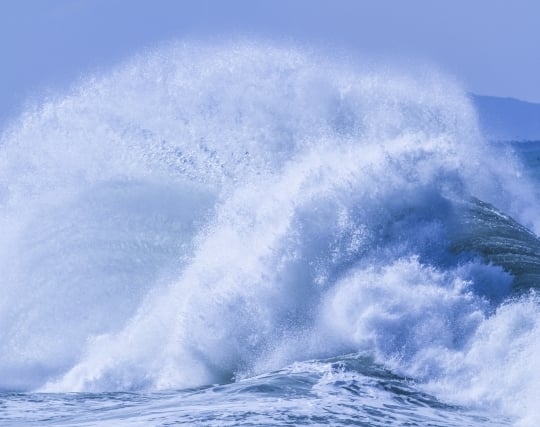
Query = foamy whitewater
x=250 y=234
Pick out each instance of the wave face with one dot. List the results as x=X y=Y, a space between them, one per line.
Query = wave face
x=202 y=215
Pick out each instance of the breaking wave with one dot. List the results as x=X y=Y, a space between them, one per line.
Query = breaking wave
x=202 y=214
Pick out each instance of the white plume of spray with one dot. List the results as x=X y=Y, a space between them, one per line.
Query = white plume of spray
x=209 y=213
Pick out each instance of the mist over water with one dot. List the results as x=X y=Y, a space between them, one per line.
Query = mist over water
x=203 y=215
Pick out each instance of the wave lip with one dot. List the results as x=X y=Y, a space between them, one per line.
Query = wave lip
x=502 y=241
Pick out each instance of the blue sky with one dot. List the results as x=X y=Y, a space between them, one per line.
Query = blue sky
x=492 y=46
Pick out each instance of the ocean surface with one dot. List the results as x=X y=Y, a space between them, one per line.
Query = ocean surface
x=252 y=234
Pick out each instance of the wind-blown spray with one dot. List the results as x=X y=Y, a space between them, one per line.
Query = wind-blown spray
x=202 y=215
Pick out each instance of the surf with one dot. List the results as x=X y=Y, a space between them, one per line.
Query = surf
x=205 y=214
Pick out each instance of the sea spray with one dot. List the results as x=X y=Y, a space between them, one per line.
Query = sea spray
x=204 y=214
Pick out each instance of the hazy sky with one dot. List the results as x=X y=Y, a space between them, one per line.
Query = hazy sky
x=492 y=46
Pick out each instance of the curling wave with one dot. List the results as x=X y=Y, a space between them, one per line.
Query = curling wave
x=201 y=215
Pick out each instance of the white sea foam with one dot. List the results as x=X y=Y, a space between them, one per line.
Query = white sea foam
x=203 y=214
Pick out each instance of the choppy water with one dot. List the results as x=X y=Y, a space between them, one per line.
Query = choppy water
x=350 y=390
x=255 y=235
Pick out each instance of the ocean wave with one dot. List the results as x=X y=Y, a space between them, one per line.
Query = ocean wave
x=202 y=214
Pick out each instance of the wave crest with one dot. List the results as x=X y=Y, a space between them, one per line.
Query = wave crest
x=202 y=214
